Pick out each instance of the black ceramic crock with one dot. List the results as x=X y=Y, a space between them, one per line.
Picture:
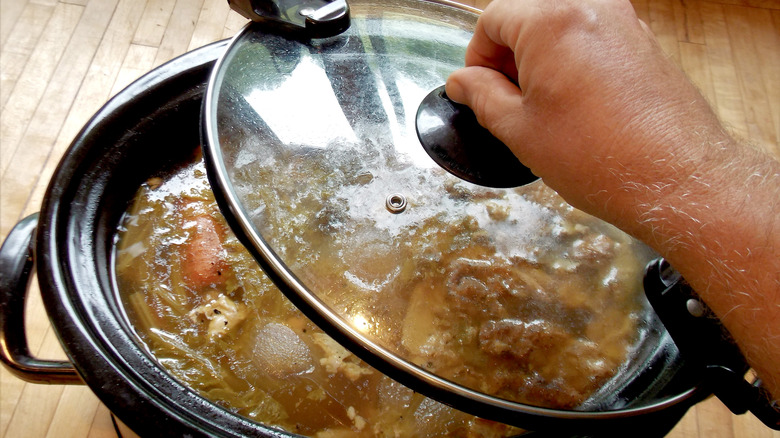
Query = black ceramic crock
x=148 y=128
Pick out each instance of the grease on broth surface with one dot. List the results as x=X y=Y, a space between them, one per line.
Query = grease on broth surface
x=542 y=330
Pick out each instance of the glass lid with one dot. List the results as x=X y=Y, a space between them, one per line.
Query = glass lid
x=504 y=302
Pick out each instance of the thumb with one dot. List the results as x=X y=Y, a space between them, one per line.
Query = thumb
x=494 y=98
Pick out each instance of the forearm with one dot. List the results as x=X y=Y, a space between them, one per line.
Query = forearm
x=720 y=228
x=583 y=95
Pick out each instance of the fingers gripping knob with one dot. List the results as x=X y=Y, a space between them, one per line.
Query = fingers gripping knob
x=451 y=135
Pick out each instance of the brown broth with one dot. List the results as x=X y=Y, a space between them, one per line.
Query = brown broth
x=545 y=329
x=268 y=363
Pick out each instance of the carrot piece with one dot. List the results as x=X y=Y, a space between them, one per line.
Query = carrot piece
x=203 y=257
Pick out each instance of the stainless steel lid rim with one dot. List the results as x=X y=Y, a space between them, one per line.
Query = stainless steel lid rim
x=411 y=375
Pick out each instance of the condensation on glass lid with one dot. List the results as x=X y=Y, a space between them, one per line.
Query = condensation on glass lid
x=539 y=274
x=511 y=292
x=366 y=83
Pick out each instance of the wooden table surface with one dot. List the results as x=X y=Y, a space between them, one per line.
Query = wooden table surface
x=62 y=59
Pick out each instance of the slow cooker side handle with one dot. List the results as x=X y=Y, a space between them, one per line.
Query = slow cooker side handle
x=16 y=267
x=706 y=345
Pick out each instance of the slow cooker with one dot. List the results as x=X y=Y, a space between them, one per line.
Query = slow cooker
x=160 y=116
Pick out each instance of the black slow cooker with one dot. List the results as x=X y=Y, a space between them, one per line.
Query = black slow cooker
x=152 y=125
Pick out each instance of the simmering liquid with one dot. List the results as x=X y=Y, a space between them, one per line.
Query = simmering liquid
x=547 y=328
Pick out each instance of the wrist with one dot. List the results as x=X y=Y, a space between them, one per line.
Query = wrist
x=719 y=226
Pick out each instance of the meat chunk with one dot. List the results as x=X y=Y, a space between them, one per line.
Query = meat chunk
x=338 y=359
x=511 y=337
x=221 y=312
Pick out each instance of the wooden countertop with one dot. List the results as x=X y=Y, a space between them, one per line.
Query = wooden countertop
x=61 y=60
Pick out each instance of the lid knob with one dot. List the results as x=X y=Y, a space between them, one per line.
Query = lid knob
x=450 y=134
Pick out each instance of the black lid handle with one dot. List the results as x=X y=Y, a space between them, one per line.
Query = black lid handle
x=451 y=135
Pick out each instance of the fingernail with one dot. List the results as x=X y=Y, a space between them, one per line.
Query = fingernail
x=454 y=89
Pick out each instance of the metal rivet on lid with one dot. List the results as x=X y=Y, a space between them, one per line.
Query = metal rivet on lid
x=395 y=203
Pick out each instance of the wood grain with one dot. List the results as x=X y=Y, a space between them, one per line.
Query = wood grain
x=60 y=60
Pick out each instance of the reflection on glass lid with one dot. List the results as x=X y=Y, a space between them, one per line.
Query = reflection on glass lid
x=509 y=292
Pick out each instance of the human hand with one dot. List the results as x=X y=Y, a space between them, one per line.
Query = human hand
x=583 y=95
